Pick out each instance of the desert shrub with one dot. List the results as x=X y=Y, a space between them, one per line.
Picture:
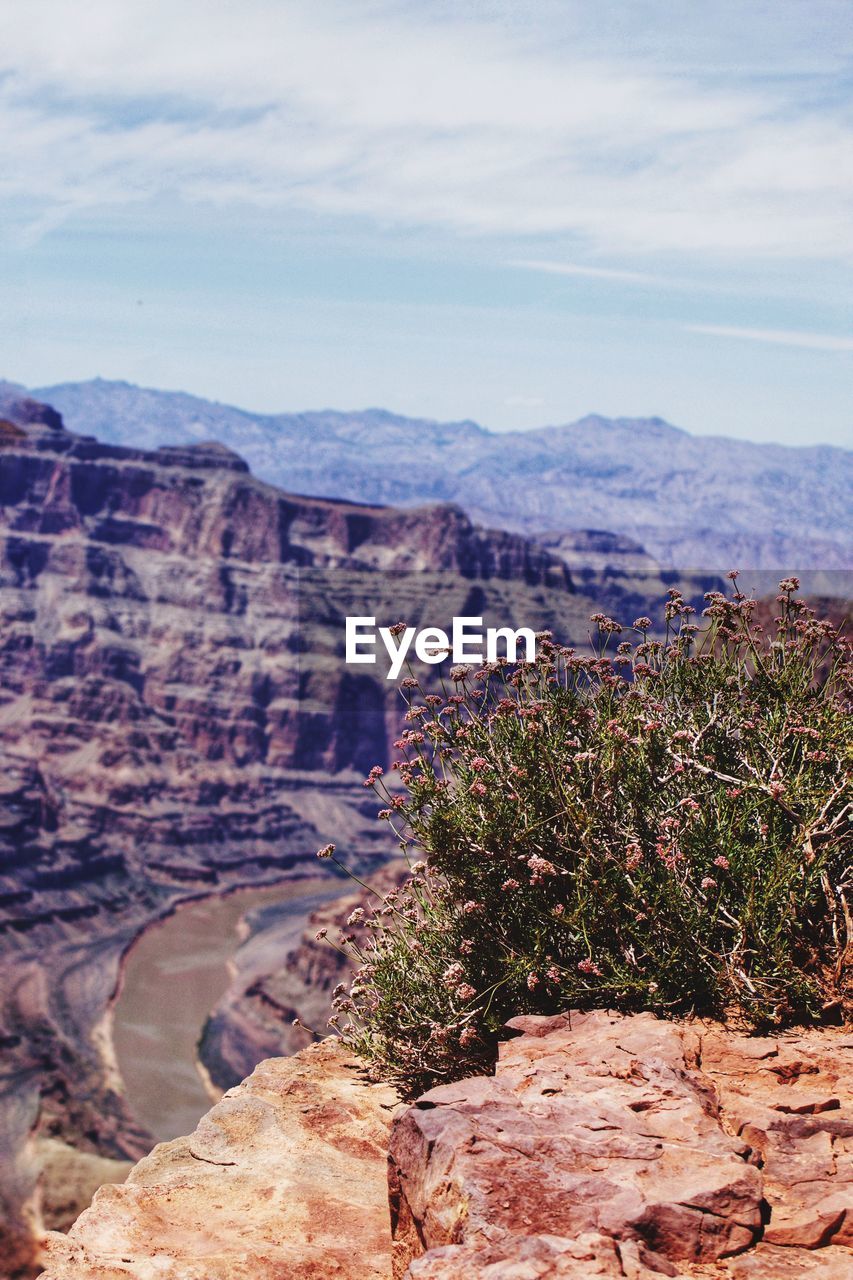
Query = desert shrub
x=663 y=825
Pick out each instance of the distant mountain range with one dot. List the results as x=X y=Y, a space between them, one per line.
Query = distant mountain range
x=700 y=502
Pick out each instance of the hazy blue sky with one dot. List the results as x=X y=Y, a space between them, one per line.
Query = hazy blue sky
x=517 y=211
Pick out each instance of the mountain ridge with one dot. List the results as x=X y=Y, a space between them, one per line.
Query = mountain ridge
x=707 y=502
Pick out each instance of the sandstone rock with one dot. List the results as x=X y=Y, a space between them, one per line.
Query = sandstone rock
x=69 y=1179
x=284 y=1177
x=532 y=1257
x=791 y=1098
x=610 y=1145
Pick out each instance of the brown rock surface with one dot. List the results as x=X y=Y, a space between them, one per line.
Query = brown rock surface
x=627 y=1146
x=285 y=1177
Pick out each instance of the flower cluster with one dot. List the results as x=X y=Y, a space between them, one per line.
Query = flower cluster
x=661 y=823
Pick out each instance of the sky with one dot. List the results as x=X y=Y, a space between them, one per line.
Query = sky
x=515 y=211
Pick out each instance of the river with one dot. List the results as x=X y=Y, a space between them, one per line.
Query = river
x=173 y=975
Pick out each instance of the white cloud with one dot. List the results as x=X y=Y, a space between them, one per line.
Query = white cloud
x=782 y=337
x=594 y=273
x=381 y=111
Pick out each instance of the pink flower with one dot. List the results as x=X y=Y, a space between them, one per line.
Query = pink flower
x=479 y=763
x=589 y=966
x=605 y=624
x=541 y=868
x=708 y=882
x=478 y=789
x=532 y=981
x=466 y=991
x=722 y=862
x=633 y=856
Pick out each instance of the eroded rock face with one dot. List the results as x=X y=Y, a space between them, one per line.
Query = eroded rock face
x=176 y=718
x=284 y=1177
x=641 y=477
x=627 y=1146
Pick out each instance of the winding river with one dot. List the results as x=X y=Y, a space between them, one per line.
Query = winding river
x=173 y=975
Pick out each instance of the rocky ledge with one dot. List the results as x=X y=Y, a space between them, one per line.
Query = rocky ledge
x=627 y=1146
x=602 y=1146
x=284 y=1177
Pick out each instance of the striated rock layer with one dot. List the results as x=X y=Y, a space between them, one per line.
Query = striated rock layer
x=284 y=1177
x=176 y=719
x=626 y=1146
x=643 y=478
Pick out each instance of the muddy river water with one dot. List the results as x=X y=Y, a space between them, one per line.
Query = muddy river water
x=174 y=974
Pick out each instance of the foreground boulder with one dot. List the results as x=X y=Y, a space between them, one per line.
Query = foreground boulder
x=284 y=1177
x=627 y=1146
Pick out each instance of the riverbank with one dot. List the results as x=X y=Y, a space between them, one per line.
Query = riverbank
x=173 y=975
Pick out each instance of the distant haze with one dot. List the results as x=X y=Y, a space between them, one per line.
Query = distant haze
x=692 y=502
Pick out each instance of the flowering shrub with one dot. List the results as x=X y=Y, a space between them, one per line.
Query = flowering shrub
x=662 y=825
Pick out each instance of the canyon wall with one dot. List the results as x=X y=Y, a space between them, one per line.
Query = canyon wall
x=175 y=719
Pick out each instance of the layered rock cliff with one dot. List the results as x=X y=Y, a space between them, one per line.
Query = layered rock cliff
x=176 y=718
x=702 y=502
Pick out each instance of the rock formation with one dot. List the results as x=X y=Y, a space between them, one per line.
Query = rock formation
x=176 y=719
x=284 y=1177
x=603 y=1146
x=639 y=477
x=626 y=1146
